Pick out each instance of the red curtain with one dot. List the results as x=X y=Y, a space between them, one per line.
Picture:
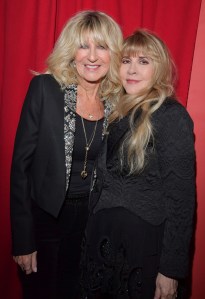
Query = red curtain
x=29 y=29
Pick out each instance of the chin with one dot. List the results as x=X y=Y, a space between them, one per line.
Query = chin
x=132 y=92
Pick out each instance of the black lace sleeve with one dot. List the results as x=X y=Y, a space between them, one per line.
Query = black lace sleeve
x=175 y=146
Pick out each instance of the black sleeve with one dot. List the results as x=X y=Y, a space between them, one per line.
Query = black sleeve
x=23 y=240
x=177 y=163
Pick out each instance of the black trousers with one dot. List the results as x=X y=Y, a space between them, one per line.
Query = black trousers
x=59 y=249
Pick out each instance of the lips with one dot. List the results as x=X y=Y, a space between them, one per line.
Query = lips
x=91 y=67
x=131 y=81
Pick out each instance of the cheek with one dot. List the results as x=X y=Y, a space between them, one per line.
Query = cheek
x=78 y=69
x=77 y=56
x=78 y=65
x=150 y=74
x=80 y=55
x=107 y=60
x=122 y=72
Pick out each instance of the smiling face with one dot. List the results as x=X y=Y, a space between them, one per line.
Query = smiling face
x=136 y=73
x=92 y=62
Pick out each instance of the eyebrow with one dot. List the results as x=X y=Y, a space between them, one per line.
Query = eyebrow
x=130 y=56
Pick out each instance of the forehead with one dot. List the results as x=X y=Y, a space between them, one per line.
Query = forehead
x=135 y=54
x=86 y=36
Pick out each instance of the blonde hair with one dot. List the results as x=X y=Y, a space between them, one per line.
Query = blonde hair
x=148 y=101
x=103 y=30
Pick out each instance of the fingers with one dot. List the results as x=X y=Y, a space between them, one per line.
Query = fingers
x=166 y=288
x=157 y=293
x=27 y=269
x=34 y=262
x=28 y=263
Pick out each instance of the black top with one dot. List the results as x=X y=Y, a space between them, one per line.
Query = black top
x=77 y=184
x=163 y=191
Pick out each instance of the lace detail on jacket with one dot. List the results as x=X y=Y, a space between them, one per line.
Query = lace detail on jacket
x=70 y=99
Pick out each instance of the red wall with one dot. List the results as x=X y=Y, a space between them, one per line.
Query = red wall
x=196 y=107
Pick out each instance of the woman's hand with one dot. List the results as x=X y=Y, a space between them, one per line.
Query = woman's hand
x=166 y=288
x=28 y=263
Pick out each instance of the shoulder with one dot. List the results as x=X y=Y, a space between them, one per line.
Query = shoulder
x=174 y=113
x=43 y=80
x=173 y=128
x=44 y=86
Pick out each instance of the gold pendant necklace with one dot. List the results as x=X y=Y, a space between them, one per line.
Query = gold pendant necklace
x=90 y=116
x=84 y=173
x=93 y=114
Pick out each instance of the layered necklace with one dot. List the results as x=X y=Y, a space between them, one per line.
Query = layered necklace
x=88 y=144
x=83 y=108
x=90 y=115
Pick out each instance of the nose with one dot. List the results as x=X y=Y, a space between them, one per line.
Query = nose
x=92 y=55
x=132 y=68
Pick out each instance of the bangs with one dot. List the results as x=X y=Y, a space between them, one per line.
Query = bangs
x=92 y=30
x=95 y=36
x=133 y=51
x=137 y=45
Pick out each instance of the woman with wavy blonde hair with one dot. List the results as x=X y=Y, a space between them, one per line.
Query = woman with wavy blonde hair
x=62 y=124
x=100 y=28
x=142 y=203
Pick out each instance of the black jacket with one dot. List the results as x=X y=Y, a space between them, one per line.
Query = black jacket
x=164 y=191
x=38 y=165
x=42 y=156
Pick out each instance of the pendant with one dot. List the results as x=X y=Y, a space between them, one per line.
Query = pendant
x=83 y=174
x=90 y=116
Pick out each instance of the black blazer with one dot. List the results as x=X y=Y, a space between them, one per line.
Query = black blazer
x=164 y=192
x=38 y=165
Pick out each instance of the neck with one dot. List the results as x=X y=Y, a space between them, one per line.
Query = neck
x=89 y=91
x=89 y=104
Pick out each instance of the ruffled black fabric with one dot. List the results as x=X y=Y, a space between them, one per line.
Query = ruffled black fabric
x=120 y=255
x=163 y=193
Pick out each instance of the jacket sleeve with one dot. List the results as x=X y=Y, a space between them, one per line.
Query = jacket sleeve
x=177 y=162
x=23 y=240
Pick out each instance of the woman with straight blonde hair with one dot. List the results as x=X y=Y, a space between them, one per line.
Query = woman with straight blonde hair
x=142 y=202
x=62 y=124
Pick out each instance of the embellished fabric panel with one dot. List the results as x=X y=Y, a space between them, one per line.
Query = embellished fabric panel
x=70 y=99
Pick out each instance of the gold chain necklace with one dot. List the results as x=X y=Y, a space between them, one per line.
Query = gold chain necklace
x=87 y=147
x=90 y=115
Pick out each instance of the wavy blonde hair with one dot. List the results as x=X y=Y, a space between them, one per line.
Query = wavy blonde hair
x=103 y=30
x=134 y=148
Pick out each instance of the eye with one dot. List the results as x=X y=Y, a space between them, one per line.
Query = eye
x=101 y=47
x=125 y=60
x=84 y=46
x=144 y=60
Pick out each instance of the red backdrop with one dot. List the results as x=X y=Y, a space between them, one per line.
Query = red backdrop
x=196 y=107
x=29 y=29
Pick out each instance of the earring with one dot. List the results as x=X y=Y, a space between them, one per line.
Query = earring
x=74 y=64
